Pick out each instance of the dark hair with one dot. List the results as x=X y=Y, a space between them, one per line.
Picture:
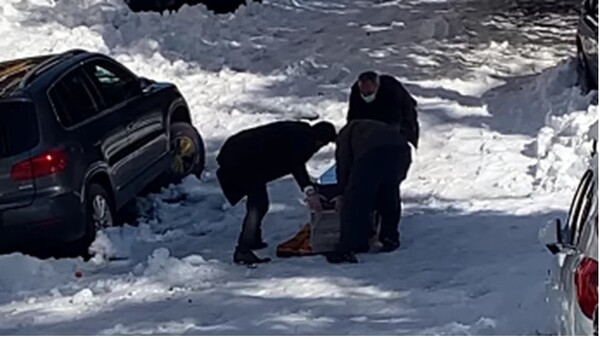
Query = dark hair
x=325 y=131
x=369 y=76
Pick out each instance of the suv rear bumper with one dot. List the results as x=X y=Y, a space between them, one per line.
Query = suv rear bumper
x=50 y=220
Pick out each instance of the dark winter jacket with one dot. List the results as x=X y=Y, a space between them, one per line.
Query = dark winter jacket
x=392 y=105
x=259 y=155
x=360 y=137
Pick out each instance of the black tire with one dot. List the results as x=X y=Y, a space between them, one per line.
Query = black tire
x=95 y=194
x=194 y=165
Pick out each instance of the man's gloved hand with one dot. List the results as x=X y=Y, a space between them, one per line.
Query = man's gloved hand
x=312 y=199
x=338 y=201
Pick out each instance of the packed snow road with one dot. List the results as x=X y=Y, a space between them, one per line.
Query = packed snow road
x=505 y=134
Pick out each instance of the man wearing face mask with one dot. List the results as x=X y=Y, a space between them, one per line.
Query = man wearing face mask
x=383 y=98
x=391 y=110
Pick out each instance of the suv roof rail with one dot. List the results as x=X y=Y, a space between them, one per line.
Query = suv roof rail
x=44 y=65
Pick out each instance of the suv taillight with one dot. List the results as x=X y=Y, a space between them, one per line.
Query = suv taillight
x=45 y=164
x=586 y=282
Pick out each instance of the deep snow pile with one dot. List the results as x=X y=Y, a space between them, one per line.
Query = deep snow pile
x=505 y=137
x=564 y=145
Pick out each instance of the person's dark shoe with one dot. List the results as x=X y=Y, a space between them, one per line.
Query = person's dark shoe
x=247 y=257
x=389 y=245
x=259 y=245
x=362 y=249
x=339 y=257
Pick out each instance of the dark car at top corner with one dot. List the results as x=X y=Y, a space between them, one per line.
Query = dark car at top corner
x=80 y=137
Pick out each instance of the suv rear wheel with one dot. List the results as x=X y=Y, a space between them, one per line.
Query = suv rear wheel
x=99 y=214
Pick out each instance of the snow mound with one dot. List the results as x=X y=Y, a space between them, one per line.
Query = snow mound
x=114 y=242
x=170 y=216
x=564 y=145
x=564 y=148
x=483 y=326
x=23 y=275
x=189 y=271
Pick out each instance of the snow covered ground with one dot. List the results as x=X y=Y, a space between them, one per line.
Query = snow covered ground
x=505 y=135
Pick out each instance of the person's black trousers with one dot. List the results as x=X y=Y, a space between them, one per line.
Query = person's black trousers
x=373 y=185
x=388 y=204
x=257 y=206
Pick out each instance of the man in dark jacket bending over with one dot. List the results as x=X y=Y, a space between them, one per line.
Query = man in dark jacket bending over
x=254 y=157
x=383 y=98
x=372 y=159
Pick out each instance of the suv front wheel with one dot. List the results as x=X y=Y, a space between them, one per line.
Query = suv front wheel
x=188 y=154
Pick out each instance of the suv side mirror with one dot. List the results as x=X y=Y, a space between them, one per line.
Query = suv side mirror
x=145 y=85
x=551 y=236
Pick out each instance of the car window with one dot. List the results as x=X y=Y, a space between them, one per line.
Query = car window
x=72 y=99
x=18 y=128
x=115 y=84
x=106 y=77
x=580 y=207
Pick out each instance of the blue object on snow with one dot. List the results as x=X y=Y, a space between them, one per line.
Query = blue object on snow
x=328 y=177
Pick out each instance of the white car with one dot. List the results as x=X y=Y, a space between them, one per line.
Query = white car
x=574 y=279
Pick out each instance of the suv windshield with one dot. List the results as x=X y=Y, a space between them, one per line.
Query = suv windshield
x=18 y=128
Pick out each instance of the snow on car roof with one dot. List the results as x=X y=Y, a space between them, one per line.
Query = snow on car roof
x=13 y=71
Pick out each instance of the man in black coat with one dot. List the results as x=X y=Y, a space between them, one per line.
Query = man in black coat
x=372 y=159
x=254 y=157
x=383 y=98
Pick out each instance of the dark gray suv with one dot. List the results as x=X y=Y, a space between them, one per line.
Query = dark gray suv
x=80 y=137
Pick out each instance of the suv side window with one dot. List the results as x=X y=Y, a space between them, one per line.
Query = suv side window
x=115 y=84
x=72 y=99
x=581 y=206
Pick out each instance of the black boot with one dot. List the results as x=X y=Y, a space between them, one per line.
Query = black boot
x=247 y=257
x=389 y=245
x=340 y=257
x=364 y=248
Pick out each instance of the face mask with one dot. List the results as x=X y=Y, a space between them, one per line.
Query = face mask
x=368 y=98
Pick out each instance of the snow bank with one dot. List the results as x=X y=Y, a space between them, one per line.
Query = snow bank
x=563 y=147
x=173 y=216
x=24 y=275
x=189 y=271
x=483 y=326
x=115 y=242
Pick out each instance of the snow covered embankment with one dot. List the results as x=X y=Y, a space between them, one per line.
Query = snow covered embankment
x=564 y=145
